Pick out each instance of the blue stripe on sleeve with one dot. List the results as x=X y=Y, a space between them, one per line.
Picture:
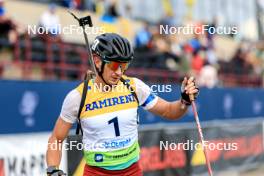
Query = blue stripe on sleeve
x=148 y=100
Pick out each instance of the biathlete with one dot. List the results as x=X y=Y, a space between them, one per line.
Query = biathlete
x=109 y=118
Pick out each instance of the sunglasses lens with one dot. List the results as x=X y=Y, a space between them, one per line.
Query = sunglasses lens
x=124 y=66
x=115 y=65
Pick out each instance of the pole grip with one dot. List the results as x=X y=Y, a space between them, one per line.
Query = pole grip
x=191 y=96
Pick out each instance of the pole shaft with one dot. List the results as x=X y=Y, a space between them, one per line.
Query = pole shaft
x=202 y=139
x=89 y=51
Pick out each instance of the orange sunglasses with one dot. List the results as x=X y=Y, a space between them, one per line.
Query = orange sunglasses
x=115 y=65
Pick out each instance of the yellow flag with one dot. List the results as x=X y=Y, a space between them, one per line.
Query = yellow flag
x=198 y=157
x=79 y=170
x=167 y=6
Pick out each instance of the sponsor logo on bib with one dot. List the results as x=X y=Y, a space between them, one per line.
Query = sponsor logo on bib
x=98 y=158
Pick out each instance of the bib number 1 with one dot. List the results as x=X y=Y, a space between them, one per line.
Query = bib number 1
x=116 y=126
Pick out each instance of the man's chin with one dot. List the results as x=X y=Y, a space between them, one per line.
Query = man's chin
x=113 y=82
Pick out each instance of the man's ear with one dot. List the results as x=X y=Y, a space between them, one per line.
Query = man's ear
x=97 y=61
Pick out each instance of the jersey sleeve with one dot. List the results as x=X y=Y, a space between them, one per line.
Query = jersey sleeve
x=70 y=106
x=146 y=98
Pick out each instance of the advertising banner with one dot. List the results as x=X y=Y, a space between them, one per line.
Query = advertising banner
x=174 y=150
x=237 y=145
x=24 y=154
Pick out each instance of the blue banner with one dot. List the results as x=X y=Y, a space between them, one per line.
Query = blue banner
x=217 y=104
x=28 y=106
x=31 y=106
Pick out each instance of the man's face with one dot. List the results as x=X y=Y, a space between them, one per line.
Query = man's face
x=112 y=76
x=113 y=71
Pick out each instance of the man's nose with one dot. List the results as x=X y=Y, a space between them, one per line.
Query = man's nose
x=119 y=71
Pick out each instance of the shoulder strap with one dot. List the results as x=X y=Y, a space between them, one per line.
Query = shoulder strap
x=88 y=76
x=129 y=88
x=79 y=127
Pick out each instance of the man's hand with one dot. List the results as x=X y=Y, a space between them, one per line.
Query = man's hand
x=188 y=88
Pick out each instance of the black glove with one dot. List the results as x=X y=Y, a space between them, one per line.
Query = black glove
x=185 y=97
x=54 y=171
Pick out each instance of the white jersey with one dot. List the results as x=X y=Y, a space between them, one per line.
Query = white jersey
x=109 y=121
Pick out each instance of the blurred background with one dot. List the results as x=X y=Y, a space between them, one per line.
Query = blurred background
x=40 y=62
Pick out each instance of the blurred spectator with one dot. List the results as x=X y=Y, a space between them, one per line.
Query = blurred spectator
x=72 y=4
x=210 y=35
x=112 y=9
x=239 y=63
x=89 y=5
x=211 y=56
x=168 y=20
x=208 y=76
x=100 y=7
x=259 y=55
x=187 y=48
x=68 y=3
x=1 y=70
x=110 y=13
x=143 y=37
x=128 y=12
x=2 y=8
x=50 y=22
x=195 y=43
x=197 y=62
x=7 y=26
